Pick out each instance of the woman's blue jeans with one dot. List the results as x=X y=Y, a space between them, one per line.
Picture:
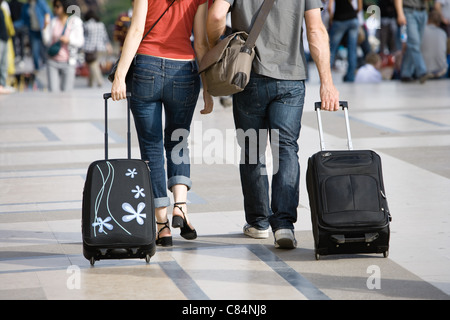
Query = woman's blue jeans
x=337 y=32
x=176 y=85
x=274 y=108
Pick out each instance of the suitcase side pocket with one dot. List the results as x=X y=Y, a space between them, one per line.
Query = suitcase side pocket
x=352 y=200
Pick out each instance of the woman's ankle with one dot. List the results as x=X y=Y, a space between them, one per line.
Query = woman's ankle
x=163 y=228
x=179 y=209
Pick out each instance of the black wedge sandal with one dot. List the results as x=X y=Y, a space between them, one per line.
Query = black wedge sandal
x=164 y=241
x=181 y=222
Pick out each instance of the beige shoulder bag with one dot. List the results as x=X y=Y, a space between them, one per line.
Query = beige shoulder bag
x=227 y=66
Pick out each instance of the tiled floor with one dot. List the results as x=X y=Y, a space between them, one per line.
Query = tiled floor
x=48 y=140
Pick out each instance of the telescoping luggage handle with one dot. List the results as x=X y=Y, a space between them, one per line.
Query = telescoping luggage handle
x=106 y=96
x=344 y=106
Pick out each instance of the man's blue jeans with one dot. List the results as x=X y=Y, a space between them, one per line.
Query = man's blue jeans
x=413 y=63
x=176 y=85
x=337 y=32
x=269 y=107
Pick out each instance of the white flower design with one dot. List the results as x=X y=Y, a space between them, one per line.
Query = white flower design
x=103 y=223
x=139 y=192
x=131 y=173
x=135 y=214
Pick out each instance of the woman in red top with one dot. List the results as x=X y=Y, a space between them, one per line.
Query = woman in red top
x=165 y=73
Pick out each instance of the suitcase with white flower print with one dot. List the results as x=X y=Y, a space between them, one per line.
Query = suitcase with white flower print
x=118 y=220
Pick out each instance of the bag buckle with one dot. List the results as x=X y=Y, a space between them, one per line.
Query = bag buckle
x=246 y=49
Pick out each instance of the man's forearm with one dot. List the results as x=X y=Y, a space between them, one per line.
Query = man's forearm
x=214 y=32
x=320 y=52
x=217 y=20
x=215 y=29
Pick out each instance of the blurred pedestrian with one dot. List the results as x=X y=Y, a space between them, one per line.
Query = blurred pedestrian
x=370 y=72
x=35 y=15
x=434 y=47
x=96 y=42
x=69 y=31
x=122 y=24
x=443 y=8
x=413 y=14
x=21 y=31
x=344 y=22
x=6 y=32
x=388 y=33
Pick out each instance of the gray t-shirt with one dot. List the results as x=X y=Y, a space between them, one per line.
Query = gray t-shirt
x=279 y=47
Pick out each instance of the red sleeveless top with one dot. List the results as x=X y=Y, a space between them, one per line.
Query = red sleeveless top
x=171 y=37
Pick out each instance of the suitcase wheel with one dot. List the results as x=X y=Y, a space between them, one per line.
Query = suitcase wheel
x=92 y=261
x=386 y=253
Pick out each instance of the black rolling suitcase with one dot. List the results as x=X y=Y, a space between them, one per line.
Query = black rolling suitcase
x=118 y=220
x=349 y=210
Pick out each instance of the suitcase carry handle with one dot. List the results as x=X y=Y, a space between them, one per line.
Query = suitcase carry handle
x=368 y=238
x=344 y=105
x=106 y=96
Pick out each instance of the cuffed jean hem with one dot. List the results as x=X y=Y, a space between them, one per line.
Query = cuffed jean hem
x=179 y=180
x=278 y=227
x=162 y=202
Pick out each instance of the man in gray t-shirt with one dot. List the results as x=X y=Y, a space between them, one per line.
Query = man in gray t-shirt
x=272 y=104
x=280 y=53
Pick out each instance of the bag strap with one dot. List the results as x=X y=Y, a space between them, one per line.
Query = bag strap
x=257 y=27
x=146 y=34
x=65 y=26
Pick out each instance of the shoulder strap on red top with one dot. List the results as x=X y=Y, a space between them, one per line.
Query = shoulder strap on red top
x=146 y=34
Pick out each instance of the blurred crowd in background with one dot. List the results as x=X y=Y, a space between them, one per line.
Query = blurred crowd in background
x=45 y=45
